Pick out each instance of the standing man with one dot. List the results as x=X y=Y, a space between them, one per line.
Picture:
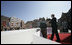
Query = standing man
x=54 y=28
x=43 y=27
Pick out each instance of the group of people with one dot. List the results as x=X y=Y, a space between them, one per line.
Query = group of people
x=43 y=28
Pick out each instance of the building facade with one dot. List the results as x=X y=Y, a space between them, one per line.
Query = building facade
x=29 y=24
x=5 y=23
x=64 y=23
x=23 y=26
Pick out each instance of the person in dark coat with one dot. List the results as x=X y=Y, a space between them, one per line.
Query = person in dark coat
x=54 y=28
x=43 y=28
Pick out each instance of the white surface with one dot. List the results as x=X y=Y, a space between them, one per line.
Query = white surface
x=69 y=31
x=27 y=36
x=41 y=40
x=17 y=37
x=58 y=31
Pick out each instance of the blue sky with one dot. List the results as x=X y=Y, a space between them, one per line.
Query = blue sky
x=30 y=10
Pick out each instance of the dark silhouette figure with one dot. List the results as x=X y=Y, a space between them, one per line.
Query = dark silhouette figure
x=43 y=28
x=54 y=28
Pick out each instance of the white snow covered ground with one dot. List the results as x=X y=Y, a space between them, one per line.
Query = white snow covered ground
x=24 y=36
x=17 y=37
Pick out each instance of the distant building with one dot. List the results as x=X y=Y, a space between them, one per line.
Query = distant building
x=29 y=24
x=64 y=23
x=5 y=23
x=35 y=23
x=15 y=23
x=23 y=26
x=11 y=23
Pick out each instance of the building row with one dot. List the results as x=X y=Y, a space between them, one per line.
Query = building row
x=64 y=23
x=36 y=23
x=11 y=23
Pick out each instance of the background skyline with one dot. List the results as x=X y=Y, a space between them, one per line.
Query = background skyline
x=30 y=10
